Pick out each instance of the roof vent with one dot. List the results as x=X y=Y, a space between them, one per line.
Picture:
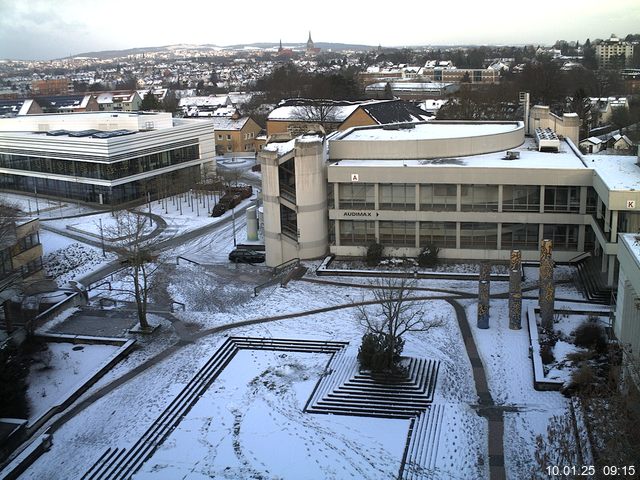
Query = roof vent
x=511 y=155
x=547 y=140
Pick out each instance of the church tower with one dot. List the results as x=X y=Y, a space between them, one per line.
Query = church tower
x=310 y=46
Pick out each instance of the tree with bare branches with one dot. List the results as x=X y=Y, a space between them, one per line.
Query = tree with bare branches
x=130 y=240
x=395 y=314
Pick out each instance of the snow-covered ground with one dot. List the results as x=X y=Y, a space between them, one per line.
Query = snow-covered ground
x=71 y=260
x=59 y=370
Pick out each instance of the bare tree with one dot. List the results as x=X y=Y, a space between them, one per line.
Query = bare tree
x=318 y=112
x=129 y=238
x=395 y=314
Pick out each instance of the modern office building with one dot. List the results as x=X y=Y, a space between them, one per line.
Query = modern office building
x=476 y=190
x=106 y=158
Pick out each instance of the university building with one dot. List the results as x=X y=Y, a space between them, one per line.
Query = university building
x=105 y=158
x=476 y=190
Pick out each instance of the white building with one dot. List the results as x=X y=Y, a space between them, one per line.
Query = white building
x=103 y=157
x=614 y=52
x=476 y=190
x=627 y=319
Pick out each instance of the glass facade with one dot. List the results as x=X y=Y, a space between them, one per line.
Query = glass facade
x=562 y=199
x=101 y=171
x=289 y=222
x=357 y=196
x=520 y=236
x=397 y=196
x=564 y=237
x=180 y=180
x=357 y=233
x=287 y=180
x=479 y=198
x=398 y=234
x=439 y=234
x=521 y=198
x=479 y=235
x=438 y=197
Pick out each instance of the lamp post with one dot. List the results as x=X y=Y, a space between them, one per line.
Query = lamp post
x=233 y=222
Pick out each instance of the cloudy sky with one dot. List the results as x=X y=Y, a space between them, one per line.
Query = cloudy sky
x=46 y=29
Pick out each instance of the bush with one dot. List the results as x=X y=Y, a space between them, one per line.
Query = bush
x=590 y=335
x=375 y=351
x=374 y=254
x=14 y=368
x=546 y=354
x=428 y=256
x=583 y=380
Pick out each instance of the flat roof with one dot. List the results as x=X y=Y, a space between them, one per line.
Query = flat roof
x=617 y=172
x=428 y=131
x=530 y=158
x=632 y=241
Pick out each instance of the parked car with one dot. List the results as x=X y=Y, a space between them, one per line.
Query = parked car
x=242 y=255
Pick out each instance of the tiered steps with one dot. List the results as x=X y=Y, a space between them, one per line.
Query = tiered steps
x=591 y=281
x=421 y=453
x=347 y=391
x=122 y=463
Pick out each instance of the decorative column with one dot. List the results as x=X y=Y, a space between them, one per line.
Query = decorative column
x=547 y=289
x=515 y=290
x=483 y=295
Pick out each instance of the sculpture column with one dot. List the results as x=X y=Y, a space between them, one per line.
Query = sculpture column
x=547 y=289
x=483 y=295
x=515 y=290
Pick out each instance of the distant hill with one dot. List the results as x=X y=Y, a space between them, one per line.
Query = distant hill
x=104 y=54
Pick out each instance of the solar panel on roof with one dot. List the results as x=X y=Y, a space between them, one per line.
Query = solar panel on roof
x=113 y=133
x=83 y=133
x=56 y=133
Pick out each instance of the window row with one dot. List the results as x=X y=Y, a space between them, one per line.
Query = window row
x=103 y=171
x=443 y=234
x=473 y=198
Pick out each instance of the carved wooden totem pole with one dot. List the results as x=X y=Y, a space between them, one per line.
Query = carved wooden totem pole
x=483 y=295
x=515 y=290
x=547 y=289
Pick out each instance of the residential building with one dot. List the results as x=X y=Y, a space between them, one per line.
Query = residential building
x=50 y=87
x=462 y=75
x=602 y=108
x=476 y=190
x=119 y=101
x=11 y=108
x=104 y=157
x=614 y=53
x=235 y=135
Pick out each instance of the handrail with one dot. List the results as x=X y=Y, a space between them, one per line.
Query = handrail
x=178 y=303
x=579 y=257
x=93 y=287
x=184 y=258
x=285 y=265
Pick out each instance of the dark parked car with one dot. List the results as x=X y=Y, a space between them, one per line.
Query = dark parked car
x=241 y=255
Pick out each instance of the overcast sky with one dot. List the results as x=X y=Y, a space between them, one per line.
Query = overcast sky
x=46 y=29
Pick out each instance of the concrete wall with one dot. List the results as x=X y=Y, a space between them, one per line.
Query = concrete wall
x=568 y=125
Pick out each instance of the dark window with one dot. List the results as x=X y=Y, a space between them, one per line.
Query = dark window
x=357 y=233
x=479 y=235
x=437 y=197
x=398 y=234
x=397 y=196
x=357 y=196
x=561 y=199
x=438 y=234
x=521 y=198
x=519 y=236
x=564 y=237
x=479 y=198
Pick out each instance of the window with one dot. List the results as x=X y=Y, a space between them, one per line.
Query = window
x=228 y=137
x=479 y=198
x=398 y=234
x=220 y=137
x=592 y=200
x=357 y=196
x=561 y=199
x=5 y=261
x=519 y=236
x=357 y=233
x=29 y=241
x=287 y=180
x=229 y=148
x=438 y=234
x=438 y=197
x=564 y=237
x=397 y=196
x=521 y=198
x=479 y=235
x=289 y=222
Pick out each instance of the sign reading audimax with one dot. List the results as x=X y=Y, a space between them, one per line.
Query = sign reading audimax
x=356 y=213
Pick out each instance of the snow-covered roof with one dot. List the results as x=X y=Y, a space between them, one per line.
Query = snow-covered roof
x=618 y=172
x=530 y=158
x=226 y=123
x=280 y=147
x=338 y=113
x=594 y=140
x=431 y=131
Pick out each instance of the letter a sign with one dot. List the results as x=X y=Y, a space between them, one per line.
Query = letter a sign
x=354 y=177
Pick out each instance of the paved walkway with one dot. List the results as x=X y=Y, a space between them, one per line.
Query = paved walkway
x=487 y=407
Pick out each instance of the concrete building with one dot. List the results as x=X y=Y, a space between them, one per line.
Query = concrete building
x=104 y=157
x=476 y=190
x=627 y=319
x=20 y=250
x=462 y=75
x=411 y=90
